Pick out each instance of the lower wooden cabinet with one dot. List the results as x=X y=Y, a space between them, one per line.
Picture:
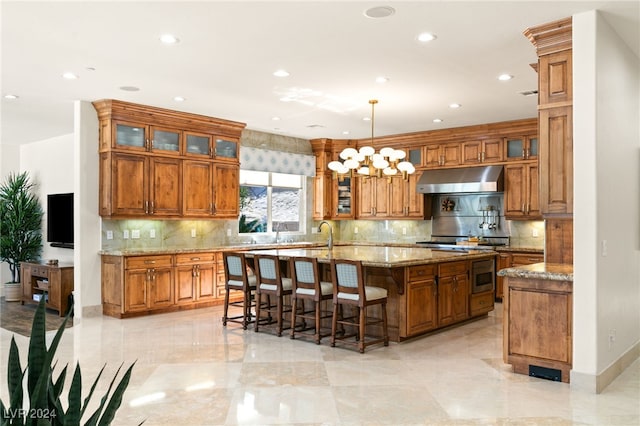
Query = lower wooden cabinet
x=439 y=295
x=135 y=285
x=537 y=326
x=422 y=299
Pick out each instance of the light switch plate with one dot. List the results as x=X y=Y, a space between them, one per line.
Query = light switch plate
x=135 y=234
x=125 y=234
x=109 y=235
x=152 y=233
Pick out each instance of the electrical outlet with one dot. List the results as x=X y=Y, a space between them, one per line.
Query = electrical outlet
x=604 y=248
x=152 y=233
x=314 y=230
x=135 y=234
x=125 y=234
x=109 y=235
x=612 y=337
x=534 y=232
x=193 y=232
x=404 y=231
x=355 y=230
x=228 y=232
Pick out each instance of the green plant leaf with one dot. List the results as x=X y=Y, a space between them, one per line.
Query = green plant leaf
x=93 y=388
x=73 y=414
x=116 y=398
x=15 y=375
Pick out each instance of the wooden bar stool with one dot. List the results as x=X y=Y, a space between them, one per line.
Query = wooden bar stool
x=237 y=279
x=306 y=285
x=275 y=287
x=349 y=290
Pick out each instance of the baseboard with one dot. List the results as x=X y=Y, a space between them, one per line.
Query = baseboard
x=92 y=311
x=597 y=383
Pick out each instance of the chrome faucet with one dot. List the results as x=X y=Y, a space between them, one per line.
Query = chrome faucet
x=330 y=241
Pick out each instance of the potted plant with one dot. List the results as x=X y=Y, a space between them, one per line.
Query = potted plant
x=20 y=228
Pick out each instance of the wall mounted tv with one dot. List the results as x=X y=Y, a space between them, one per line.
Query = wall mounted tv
x=60 y=220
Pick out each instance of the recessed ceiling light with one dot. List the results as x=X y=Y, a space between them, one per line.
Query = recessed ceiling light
x=10 y=96
x=437 y=120
x=454 y=106
x=345 y=132
x=366 y=118
x=379 y=12
x=281 y=73
x=169 y=39
x=382 y=79
x=129 y=88
x=505 y=77
x=275 y=118
x=90 y=68
x=426 y=37
x=69 y=76
x=178 y=99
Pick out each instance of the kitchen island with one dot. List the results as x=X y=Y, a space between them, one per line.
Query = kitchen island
x=427 y=289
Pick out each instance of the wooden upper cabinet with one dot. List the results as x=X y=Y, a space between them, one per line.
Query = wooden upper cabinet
x=226 y=183
x=322 y=195
x=521 y=193
x=556 y=160
x=518 y=148
x=442 y=155
x=159 y=163
x=555 y=78
x=485 y=151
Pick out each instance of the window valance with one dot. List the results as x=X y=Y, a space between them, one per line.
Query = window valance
x=265 y=160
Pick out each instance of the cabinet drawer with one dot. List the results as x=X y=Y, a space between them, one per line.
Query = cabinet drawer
x=518 y=259
x=453 y=268
x=148 y=262
x=191 y=258
x=39 y=271
x=421 y=272
x=481 y=303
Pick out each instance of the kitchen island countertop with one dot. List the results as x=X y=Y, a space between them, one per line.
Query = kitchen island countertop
x=541 y=271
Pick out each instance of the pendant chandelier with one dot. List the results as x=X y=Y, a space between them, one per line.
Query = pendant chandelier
x=366 y=162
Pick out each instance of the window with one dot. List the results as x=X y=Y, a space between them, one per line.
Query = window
x=271 y=202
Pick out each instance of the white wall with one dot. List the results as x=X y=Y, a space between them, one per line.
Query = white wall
x=50 y=165
x=607 y=199
x=88 y=300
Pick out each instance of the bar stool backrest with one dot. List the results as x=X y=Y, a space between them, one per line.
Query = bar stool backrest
x=348 y=280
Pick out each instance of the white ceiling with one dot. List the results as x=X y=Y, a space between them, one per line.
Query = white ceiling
x=228 y=52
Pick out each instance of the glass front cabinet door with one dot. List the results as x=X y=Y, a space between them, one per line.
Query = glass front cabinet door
x=226 y=149
x=198 y=145
x=130 y=136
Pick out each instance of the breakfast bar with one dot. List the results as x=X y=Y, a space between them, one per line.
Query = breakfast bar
x=427 y=289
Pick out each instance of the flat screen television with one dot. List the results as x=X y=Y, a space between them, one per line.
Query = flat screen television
x=60 y=220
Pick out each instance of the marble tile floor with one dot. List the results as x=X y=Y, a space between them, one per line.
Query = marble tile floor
x=192 y=371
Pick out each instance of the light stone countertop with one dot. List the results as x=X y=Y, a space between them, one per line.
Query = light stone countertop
x=520 y=248
x=540 y=271
x=378 y=256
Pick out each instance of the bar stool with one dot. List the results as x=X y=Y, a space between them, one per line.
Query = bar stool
x=349 y=289
x=275 y=287
x=237 y=279
x=306 y=285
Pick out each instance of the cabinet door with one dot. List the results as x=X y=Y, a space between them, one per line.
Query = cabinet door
x=515 y=182
x=533 y=192
x=161 y=288
x=445 y=301
x=422 y=307
x=556 y=160
x=472 y=152
x=166 y=189
x=343 y=195
x=460 y=298
x=129 y=184
x=366 y=198
x=130 y=136
x=197 y=187
x=451 y=154
x=414 y=200
x=504 y=261
x=165 y=140
x=433 y=158
x=415 y=156
x=197 y=145
x=226 y=149
x=492 y=151
x=135 y=290
x=185 y=284
x=398 y=197
x=382 y=189
x=322 y=191
x=226 y=193
x=206 y=282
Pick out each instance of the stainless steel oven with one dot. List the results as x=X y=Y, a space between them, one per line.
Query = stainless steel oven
x=482 y=275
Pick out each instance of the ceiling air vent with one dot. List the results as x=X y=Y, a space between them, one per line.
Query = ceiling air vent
x=315 y=126
x=529 y=93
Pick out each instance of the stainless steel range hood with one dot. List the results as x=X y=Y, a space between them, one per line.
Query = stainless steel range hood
x=468 y=179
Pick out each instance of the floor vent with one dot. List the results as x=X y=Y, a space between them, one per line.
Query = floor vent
x=545 y=373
